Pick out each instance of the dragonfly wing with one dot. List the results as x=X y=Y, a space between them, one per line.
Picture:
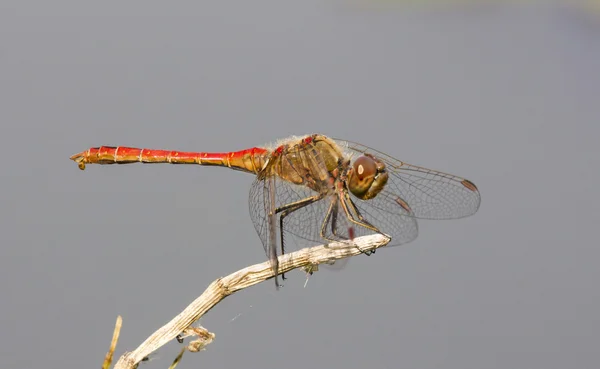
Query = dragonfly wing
x=427 y=193
x=264 y=218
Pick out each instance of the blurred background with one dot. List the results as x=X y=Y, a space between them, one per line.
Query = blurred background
x=503 y=93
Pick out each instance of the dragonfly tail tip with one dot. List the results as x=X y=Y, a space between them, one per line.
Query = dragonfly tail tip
x=79 y=159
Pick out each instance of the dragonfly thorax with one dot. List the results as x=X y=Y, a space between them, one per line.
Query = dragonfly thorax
x=367 y=177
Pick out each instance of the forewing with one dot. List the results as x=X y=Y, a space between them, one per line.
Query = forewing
x=428 y=194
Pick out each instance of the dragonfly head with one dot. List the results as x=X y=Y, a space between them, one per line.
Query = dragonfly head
x=367 y=177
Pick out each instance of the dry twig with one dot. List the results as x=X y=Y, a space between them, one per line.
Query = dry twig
x=113 y=343
x=306 y=258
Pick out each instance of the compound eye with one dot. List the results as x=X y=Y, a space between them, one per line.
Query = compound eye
x=364 y=170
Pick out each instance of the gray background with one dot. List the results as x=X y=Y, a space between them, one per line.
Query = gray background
x=506 y=96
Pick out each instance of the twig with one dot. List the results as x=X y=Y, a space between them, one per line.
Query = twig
x=219 y=289
x=113 y=343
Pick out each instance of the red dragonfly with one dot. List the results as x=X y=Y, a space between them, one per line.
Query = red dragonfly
x=317 y=189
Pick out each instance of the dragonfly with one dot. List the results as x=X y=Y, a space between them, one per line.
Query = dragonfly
x=321 y=189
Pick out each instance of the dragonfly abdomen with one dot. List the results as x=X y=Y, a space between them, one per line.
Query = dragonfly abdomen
x=250 y=160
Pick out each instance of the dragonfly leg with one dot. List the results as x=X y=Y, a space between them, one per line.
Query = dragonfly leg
x=287 y=209
x=332 y=213
x=347 y=205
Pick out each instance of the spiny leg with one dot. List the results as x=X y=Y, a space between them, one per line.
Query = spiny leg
x=346 y=203
x=332 y=213
x=366 y=222
x=362 y=220
x=287 y=209
x=334 y=217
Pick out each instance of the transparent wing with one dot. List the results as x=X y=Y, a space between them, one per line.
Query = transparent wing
x=425 y=193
